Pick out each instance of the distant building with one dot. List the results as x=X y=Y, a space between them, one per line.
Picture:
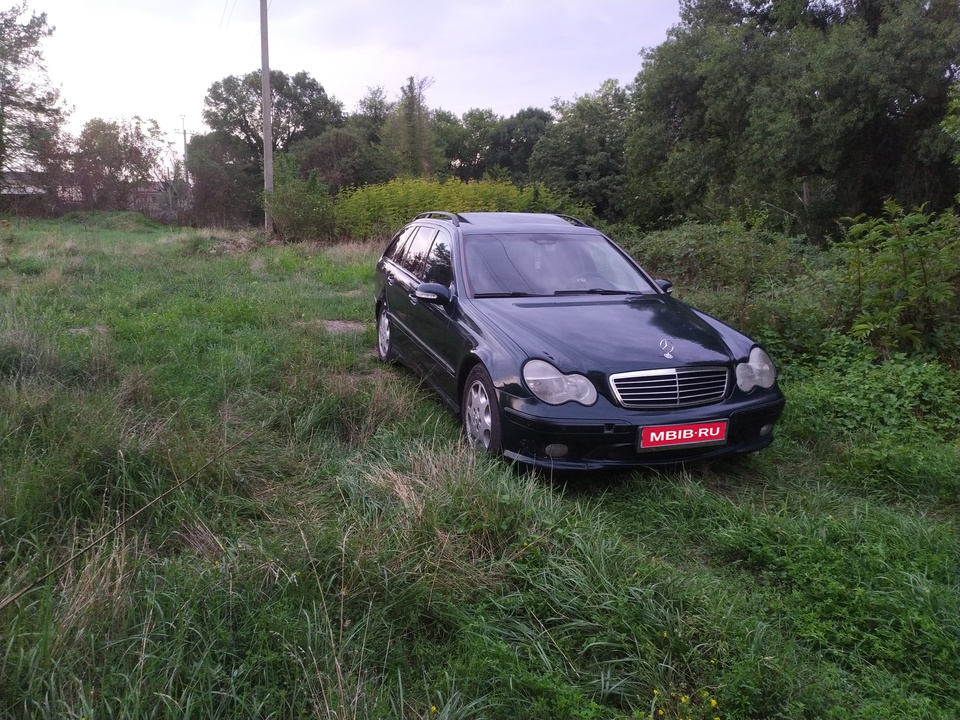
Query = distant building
x=22 y=193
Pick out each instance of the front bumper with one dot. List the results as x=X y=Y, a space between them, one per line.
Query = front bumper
x=572 y=437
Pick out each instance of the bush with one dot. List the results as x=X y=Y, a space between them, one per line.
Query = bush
x=767 y=285
x=302 y=209
x=903 y=281
x=377 y=211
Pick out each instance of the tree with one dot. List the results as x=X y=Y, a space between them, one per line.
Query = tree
x=407 y=137
x=582 y=154
x=371 y=115
x=31 y=117
x=226 y=182
x=113 y=159
x=300 y=109
x=451 y=139
x=341 y=157
x=513 y=139
x=803 y=110
x=951 y=123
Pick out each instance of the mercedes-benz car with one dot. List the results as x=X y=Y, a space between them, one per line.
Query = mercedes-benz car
x=558 y=350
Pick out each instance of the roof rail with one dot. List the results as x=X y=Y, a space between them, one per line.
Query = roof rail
x=452 y=217
x=572 y=220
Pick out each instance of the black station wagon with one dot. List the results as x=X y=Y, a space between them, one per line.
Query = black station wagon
x=558 y=350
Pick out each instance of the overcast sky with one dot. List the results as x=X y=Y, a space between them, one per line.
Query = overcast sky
x=116 y=59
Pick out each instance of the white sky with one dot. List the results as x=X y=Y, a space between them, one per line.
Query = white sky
x=116 y=59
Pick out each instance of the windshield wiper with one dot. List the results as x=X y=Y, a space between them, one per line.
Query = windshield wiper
x=597 y=291
x=515 y=293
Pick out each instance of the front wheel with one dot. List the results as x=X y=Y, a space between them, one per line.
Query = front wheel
x=479 y=411
x=384 y=344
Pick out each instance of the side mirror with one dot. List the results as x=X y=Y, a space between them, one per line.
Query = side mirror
x=433 y=293
x=666 y=286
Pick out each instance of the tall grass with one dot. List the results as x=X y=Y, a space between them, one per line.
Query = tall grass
x=326 y=546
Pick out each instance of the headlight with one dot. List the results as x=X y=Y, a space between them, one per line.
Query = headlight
x=758 y=371
x=554 y=388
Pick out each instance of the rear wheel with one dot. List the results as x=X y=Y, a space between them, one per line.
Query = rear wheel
x=479 y=411
x=384 y=345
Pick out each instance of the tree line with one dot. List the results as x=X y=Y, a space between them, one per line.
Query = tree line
x=789 y=114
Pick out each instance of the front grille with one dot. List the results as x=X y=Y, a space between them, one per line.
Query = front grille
x=670 y=387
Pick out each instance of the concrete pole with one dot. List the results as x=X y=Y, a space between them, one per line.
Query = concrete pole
x=267 y=125
x=186 y=175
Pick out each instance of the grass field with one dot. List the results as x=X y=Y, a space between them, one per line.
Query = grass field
x=219 y=505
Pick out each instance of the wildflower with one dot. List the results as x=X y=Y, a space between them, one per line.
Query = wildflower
x=660 y=711
x=713 y=702
x=433 y=708
x=684 y=698
x=656 y=692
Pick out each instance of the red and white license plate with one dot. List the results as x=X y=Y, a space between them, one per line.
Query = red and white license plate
x=701 y=433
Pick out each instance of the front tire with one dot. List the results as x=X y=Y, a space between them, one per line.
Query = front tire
x=384 y=343
x=479 y=411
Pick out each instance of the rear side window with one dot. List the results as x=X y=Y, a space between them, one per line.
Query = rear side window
x=395 y=249
x=416 y=251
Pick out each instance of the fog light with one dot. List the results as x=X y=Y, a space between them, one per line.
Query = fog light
x=766 y=430
x=556 y=450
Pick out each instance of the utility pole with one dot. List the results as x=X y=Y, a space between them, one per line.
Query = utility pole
x=267 y=126
x=183 y=123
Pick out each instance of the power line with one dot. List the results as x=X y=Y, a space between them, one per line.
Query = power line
x=224 y=13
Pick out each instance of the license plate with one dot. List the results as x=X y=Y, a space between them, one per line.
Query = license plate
x=701 y=433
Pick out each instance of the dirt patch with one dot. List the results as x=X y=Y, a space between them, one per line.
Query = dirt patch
x=334 y=326
x=343 y=326
x=234 y=246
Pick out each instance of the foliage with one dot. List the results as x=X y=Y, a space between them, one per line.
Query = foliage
x=903 y=280
x=767 y=285
x=513 y=140
x=951 y=122
x=341 y=157
x=482 y=144
x=114 y=159
x=126 y=221
x=807 y=110
x=371 y=114
x=301 y=209
x=888 y=425
x=406 y=136
x=377 y=211
x=226 y=182
x=31 y=116
x=582 y=154
x=300 y=108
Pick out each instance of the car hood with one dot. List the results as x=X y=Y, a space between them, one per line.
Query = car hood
x=613 y=334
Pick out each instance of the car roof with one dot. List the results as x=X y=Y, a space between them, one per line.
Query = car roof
x=471 y=223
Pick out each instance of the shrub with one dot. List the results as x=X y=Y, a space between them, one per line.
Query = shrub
x=903 y=276
x=766 y=285
x=377 y=211
x=302 y=209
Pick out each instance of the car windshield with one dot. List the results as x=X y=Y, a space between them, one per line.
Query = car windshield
x=519 y=264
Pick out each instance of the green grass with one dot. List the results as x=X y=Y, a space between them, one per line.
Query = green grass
x=335 y=551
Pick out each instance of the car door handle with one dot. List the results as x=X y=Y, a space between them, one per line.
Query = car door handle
x=391 y=279
x=413 y=298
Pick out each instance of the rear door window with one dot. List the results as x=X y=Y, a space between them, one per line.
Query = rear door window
x=415 y=255
x=438 y=268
